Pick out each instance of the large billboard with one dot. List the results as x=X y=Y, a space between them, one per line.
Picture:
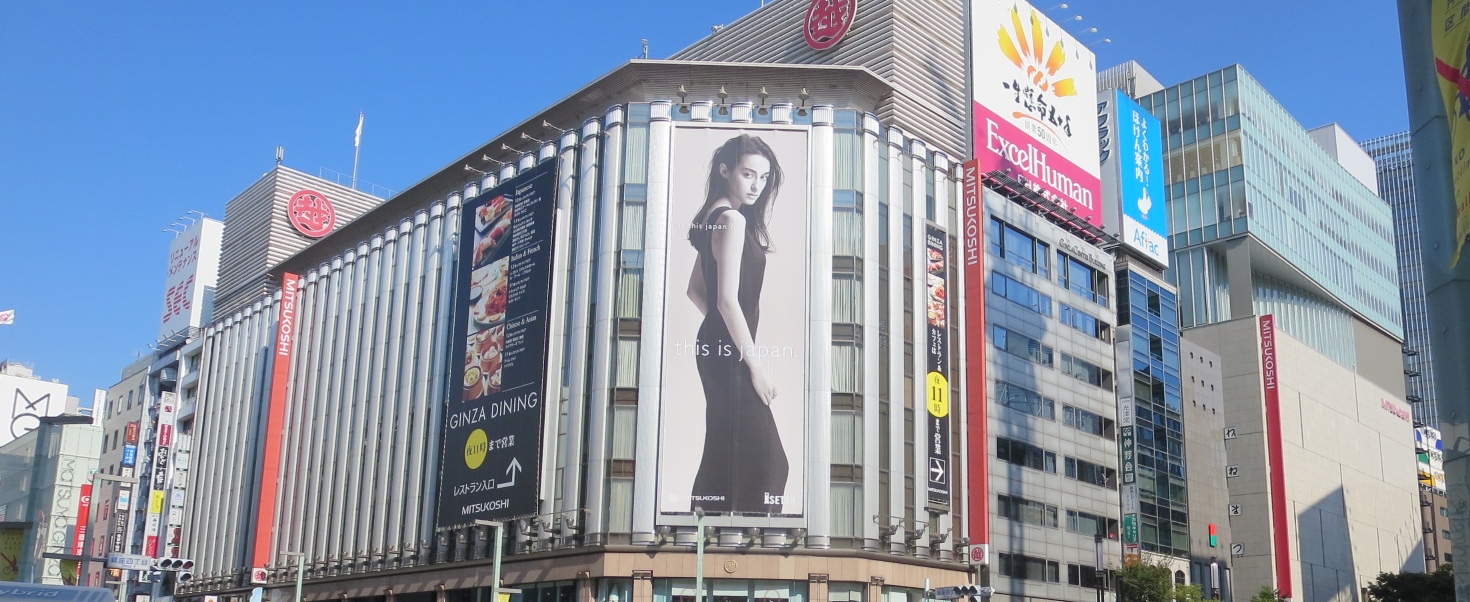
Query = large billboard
x=27 y=401
x=1429 y=451
x=193 y=269
x=275 y=424
x=1451 y=32
x=733 y=413
x=1133 y=176
x=936 y=382
x=491 y=459
x=1035 y=104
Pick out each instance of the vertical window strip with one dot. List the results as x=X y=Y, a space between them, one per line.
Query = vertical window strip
x=847 y=299
x=626 y=366
x=847 y=368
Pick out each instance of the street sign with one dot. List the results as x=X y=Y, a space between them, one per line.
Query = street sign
x=129 y=562
x=980 y=554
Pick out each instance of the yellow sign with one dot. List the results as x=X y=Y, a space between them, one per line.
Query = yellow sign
x=155 y=503
x=475 y=449
x=938 y=387
x=11 y=542
x=1451 y=27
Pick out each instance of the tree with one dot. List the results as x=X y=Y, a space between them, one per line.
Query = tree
x=1145 y=582
x=1438 y=586
x=1189 y=593
x=1267 y=594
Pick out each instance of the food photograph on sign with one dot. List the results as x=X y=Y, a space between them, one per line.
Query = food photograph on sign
x=492 y=429
x=733 y=435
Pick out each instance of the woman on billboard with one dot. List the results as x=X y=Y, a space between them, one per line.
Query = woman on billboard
x=744 y=466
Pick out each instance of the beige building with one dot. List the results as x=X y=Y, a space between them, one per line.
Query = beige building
x=1344 y=485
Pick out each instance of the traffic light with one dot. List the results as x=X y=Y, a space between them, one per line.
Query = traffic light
x=175 y=570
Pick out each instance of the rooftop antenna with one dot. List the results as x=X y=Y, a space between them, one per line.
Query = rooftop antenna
x=280 y=154
x=645 y=49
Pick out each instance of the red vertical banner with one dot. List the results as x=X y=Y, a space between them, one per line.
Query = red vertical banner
x=1276 y=458
x=275 y=421
x=84 y=508
x=977 y=415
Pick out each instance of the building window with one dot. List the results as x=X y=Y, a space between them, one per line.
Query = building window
x=1093 y=474
x=1091 y=524
x=1030 y=568
x=1088 y=422
x=1020 y=248
x=1027 y=511
x=1084 y=322
x=1153 y=302
x=1021 y=294
x=1445 y=534
x=1082 y=576
x=1024 y=400
x=1022 y=346
x=1025 y=454
x=1091 y=284
x=1087 y=372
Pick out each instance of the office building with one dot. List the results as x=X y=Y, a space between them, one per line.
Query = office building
x=1395 y=161
x=47 y=496
x=1284 y=260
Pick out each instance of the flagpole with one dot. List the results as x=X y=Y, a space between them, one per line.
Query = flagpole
x=356 y=149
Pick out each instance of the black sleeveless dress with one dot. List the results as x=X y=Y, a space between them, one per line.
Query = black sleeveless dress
x=744 y=465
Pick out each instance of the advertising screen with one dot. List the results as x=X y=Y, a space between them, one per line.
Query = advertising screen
x=1133 y=176
x=733 y=434
x=491 y=460
x=1035 y=104
x=936 y=339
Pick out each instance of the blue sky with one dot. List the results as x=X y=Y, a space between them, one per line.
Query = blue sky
x=117 y=118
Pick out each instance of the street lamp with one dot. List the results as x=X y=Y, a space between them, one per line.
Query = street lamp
x=499 y=550
x=1097 y=564
x=300 y=570
x=699 y=554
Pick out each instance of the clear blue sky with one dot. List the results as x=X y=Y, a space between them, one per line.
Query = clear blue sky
x=118 y=117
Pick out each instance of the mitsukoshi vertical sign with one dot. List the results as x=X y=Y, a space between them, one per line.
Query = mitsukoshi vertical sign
x=1035 y=104
x=491 y=456
x=283 y=352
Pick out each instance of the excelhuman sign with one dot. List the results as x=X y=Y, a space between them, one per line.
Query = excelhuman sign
x=1035 y=104
x=491 y=456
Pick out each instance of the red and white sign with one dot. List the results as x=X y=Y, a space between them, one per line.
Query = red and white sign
x=311 y=213
x=276 y=418
x=827 y=21
x=1276 y=457
x=130 y=433
x=84 y=508
x=977 y=415
x=980 y=554
x=193 y=266
x=258 y=576
x=1402 y=413
x=7 y=316
x=1035 y=104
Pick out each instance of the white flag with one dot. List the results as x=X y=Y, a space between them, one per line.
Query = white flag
x=357 y=139
x=7 y=316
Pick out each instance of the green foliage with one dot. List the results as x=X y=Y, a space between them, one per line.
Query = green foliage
x=1189 y=593
x=1145 y=582
x=1438 y=586
x=1267 y=594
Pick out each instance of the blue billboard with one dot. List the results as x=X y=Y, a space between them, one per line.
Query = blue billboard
x=1138 y=158
x=130 y=455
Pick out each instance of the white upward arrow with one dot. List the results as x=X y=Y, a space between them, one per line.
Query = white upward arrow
x=515 y=467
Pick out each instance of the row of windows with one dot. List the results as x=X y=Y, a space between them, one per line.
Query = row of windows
x=1087 y=372
x=1022 y=346
x=1020 y=248
x=1083 y=322
x=1093 y=474
x=1089 y=422
x=1030 y=568
x=1041 y=514
x=1035 y=457
x=1021 y=294
x=1082 y=279
x=1025 y=400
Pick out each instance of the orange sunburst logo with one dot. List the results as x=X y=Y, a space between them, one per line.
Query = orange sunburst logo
x=1028 y=53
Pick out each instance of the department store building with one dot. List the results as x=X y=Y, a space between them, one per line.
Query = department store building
x=522 y=339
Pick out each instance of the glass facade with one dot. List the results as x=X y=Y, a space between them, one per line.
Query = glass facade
x=1237 y=163
x=1396 y=186
x=1147 y=318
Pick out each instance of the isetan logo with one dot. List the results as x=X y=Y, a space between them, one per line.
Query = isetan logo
x=1394 y=409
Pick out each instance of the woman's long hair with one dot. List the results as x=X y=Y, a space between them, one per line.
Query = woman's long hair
x=757 y=214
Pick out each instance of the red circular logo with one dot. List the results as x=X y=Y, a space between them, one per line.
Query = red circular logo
x=827 y=21
x=311 y=213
